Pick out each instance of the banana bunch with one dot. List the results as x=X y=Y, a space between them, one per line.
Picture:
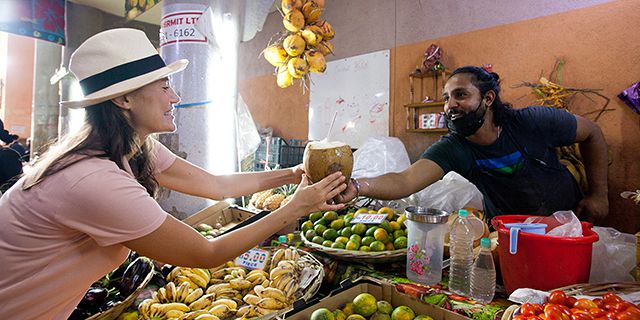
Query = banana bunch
x=265 y=300
x=284 y=277
x=152 y=309
x=181 y=293
x=284 y=254
x=195 y=277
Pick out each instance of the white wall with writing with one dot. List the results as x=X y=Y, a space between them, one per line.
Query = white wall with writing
x=357 y=88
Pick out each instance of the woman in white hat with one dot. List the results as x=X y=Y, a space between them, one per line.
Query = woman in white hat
x=89 y=200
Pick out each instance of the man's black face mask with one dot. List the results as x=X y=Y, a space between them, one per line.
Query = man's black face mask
x=469 y=123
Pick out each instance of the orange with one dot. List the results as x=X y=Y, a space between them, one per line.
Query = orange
x=322 y=314
x=365 y=304
x=377 y=246
x=381 y=235
x=388 y=211
x=402 y=313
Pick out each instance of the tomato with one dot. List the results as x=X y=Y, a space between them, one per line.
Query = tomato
x=520 y=317
x=558 y=297
x=620 y=306
x=585 y=304
x=570 y=302
x=627 y=315
x=582 y=316
x=529 y=309
x=597 y=312
x=534 y=318
x=611 y=298
x=555 y=314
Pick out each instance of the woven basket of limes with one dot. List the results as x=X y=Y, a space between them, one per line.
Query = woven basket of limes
x=372 y=236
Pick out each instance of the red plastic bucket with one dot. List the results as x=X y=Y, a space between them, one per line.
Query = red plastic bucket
x=543 y=262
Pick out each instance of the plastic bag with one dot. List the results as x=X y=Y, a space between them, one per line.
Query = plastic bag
x=247 y=135
x=451 y=193
x=560 y=224
x=614 y=256
x=379 y=155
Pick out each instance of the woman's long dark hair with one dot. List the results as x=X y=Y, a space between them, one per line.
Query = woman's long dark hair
x=106 y=133
x=486 y=81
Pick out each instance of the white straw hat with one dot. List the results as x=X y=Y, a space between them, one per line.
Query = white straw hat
x=115 y=62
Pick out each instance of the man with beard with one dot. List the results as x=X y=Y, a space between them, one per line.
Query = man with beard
x=509 y=154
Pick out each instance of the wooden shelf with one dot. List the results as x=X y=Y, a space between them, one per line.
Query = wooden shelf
x=413 y=111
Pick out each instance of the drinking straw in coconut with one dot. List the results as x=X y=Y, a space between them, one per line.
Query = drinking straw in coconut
x=335 y=115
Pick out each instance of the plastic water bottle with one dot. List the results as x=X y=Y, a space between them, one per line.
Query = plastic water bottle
x=483 y=274
x=461 y=254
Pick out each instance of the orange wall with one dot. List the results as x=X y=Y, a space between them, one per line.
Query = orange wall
x=599 y=44
x=19 y=85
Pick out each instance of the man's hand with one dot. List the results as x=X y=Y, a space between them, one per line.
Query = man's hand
x=593 y=208
x=348 y=194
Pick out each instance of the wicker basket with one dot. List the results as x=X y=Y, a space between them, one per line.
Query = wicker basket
x=368 y=257
x=309 y=292
x=121 y=306
x=599 y=289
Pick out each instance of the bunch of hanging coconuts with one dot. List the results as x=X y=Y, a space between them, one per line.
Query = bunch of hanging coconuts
x=305 y=43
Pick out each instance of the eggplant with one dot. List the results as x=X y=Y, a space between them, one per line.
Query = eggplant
x=79 y=314
x=134 y=275
x=107 y=305
x=94 y=297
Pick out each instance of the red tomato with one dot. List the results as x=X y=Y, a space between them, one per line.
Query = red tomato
x=599 y=302
x=627 y=315
x=582 y=316
x=610 y=298
x=520 y=317
x=570 y=302
x=597 y=312
x=620 y=306
x=528 y=309
x=554 y=314
x=558 y=297
x=585 y=304
x=534 y=318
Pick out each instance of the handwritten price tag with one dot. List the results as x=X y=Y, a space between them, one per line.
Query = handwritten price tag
x=253 y=259
x=369 y=218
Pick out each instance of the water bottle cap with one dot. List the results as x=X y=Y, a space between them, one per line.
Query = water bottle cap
x=463 y=213
x=485 y=243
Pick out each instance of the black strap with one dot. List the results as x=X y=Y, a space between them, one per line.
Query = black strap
x=121 y=73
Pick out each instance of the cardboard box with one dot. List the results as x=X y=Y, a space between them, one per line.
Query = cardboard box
x=380 y=290
x=230 y=217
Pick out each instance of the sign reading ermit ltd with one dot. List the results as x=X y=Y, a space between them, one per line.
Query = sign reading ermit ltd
x=181 y=26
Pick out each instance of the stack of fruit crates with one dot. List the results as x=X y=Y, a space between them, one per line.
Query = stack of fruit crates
x=268 y=153
x=291 y=152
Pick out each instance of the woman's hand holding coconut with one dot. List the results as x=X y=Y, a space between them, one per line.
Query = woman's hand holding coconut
x=309 y=198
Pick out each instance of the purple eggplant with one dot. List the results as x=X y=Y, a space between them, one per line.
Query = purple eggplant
x=134 y=275
x=95 y=296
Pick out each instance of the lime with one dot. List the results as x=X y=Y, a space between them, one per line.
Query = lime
x=319 y=228
x=338 y=245
x=384 y=306
x=365 y=304
x=402 y=313
x=322 y=314
x=386 y=225
x=361 y=210
x=380 y=235
x=315 y=216
x=400 y=242
x=348 y=309
x=342 y=239
x=330 y=216
x=359 y=228
x=327 y=243
x=330 y=234
x=389 y=246
x=377 y=246
x=346 y=231
x=352 y=245
x=339 y=315
x=347 y=220
x=401 y=219
x=380 y=316
x=356 y=317
x=365 y=248
x=422 y=317
x=399 y=233
x=317 y=239
x=320 y=221
x=310 y=234
x=356 y=238
x=307 y=225
x=337 y=224
x=367 y=240
x=371 y=230
x=394 y=225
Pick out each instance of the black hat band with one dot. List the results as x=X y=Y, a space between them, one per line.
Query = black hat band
x=121 y=73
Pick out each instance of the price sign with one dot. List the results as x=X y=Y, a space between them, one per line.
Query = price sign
x=253 y=259
x=180 y=27
x=369 y=218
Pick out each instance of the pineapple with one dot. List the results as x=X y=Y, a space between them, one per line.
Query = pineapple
x=260 y=199
x=273 y=201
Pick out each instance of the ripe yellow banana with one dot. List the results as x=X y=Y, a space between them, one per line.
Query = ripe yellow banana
x=221 y=311
x=184 y=279
x=193 y=314
x=287 y=264
x=240 y=284
x=174 y=314
x=258 y=290
x=251 y=299
x=170 y=290
x=271 y=303
x=218 y=274
x=279 y=272
x=174 y=306
x=277 y=256
x=228 y=302
x=203 y=273
x=155 y=310
x=203 y=302
x=198 y=279
x=174 y=272
x=283 y=281
x=182 y=291
x=206 y=317
x=273 y=293
x=245 y=312
x=290 y=288
x=144 y=307
x=218 y=287
x=194 y=295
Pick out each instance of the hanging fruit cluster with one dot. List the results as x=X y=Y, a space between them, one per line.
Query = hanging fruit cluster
x=304 y=44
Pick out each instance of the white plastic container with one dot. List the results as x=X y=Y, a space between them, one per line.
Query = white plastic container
x=425 y=244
